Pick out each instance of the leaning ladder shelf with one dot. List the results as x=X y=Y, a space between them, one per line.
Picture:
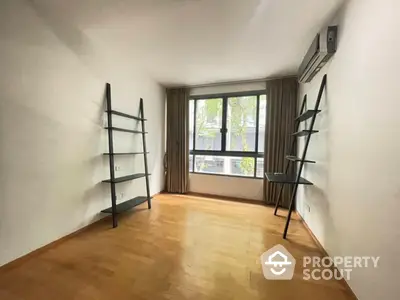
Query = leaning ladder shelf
x=296 y=179
x=126 y=205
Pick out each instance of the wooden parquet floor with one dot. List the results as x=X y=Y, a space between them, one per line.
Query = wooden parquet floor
x=186 y=247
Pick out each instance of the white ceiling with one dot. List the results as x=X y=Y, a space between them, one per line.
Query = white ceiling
x=188 y=42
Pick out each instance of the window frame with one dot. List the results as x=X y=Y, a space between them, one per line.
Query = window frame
x=252 y=154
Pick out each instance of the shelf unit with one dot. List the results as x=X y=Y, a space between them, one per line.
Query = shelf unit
x=304 y=132
x=307 y=115
x=126 y=178
x=129 y=204
x=125 y=130
x=296 y=179
x=294 y=158
x=125 y=153
x=285 y=178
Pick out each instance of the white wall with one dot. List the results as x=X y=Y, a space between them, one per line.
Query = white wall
x=355 y=199
x=245 y=188
x=51 y=135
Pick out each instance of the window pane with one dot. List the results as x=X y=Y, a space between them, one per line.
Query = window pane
x=190 y=163
x=208 y=124
x=260 y=167
x=191 y=123
x=241 y=123
x=261 y=125
x=243 y=166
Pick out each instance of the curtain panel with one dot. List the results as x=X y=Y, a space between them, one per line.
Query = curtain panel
x=280 y=124
x=177 y=156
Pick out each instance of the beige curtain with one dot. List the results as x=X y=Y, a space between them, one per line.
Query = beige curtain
x=280 y=123
x=177 y=157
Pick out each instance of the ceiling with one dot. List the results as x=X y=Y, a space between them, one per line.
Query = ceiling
x=190 y=42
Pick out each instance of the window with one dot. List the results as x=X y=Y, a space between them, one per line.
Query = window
x=227 y=134
x=208 y=124
x=225 y=165
x=241 y=123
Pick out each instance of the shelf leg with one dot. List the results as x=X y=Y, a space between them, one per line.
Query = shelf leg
x=278 y=200
x=111 y=156
x=290 y=210
x=145 y=155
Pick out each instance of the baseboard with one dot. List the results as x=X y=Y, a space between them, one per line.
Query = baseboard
x=226 y=198
x=322 y=249
x=17 y=262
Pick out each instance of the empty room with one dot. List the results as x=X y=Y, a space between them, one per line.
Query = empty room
x=199 y=149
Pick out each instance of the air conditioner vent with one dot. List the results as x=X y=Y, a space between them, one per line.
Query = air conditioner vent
x=321 y=50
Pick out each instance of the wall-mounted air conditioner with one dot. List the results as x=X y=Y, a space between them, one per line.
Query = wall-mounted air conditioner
x=320 y=51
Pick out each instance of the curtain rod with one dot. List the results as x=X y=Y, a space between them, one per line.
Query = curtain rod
x=231 y=82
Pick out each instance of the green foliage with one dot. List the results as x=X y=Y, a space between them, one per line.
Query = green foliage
x=247 y=165
x=241 y=108
x=208 y=123
x=208 y=111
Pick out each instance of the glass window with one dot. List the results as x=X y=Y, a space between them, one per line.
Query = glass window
x=261 y=124
x=241 y=124
x=236 y=150
x=260 y=167
x=190 y=163
x=242 y=166
x=191 y=124
x=208 y=124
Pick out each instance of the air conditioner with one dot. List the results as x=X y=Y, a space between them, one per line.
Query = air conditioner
x=320 y=51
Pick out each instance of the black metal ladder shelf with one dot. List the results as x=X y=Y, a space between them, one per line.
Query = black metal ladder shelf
x=296 y=179
x=126 y=205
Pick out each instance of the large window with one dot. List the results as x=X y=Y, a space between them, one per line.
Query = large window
x=227 y=134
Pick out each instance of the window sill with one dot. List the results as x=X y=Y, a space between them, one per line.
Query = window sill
x=227 y=175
